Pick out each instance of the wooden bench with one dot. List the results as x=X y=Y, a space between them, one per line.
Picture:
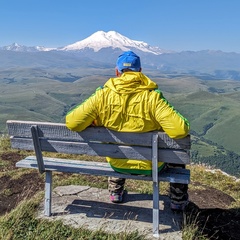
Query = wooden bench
x=99 y=141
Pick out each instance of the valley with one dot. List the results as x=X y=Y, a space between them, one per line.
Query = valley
x=212 y=106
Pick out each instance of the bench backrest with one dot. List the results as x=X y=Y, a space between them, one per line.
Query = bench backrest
x=98 y=141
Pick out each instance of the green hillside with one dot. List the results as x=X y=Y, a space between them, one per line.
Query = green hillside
x=215 y=117
x=31 y=94
x=211 y=106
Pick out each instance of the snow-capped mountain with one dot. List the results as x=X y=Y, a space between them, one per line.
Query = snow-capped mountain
x=101 y=49
x=21 y=48
x=96 y=42
x=112 y=39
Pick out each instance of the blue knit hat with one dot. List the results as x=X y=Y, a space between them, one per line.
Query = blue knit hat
x=128 y=60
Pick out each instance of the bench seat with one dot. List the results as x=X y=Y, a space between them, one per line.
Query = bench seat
x=101 y=169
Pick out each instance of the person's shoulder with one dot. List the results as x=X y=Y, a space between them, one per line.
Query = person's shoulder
x=101 y=90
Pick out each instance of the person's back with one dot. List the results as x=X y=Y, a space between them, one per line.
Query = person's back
x=131 y=102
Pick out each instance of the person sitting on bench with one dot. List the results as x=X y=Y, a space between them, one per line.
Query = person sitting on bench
x=131 y=102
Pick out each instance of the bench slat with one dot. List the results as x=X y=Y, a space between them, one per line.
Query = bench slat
x=100 y=168
x=58 y=131
x=110 y=150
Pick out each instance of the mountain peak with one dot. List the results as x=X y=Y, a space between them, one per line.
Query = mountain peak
x=113 y=39
x=21 y=48
x=14 y=47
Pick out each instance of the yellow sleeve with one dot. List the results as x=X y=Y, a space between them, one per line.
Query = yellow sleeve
x=83 y=115
x=171 y=121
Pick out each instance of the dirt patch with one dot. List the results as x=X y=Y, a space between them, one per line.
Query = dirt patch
x=13 y=191
x=208 y=208
x=215 y=223
x=209 y=197
x=11 y=158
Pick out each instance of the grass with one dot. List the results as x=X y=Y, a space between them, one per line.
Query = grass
x=192 y=232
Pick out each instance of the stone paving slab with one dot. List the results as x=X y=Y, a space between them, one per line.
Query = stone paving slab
x=88 y=207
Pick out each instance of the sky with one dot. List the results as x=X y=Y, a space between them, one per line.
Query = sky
x=177 y=25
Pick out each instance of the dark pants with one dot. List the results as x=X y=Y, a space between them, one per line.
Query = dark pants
x=116 y=184
x=178 y=192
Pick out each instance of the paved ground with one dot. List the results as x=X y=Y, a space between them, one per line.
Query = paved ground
x=91 y=208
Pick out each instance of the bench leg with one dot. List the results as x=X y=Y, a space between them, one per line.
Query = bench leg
x=156 y=209
x=48 y=194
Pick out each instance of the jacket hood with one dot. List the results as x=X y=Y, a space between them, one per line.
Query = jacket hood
x=130 y=82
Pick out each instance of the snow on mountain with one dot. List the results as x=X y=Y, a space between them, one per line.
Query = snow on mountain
x=96 y=42
x=101 y=39
x=21 y=48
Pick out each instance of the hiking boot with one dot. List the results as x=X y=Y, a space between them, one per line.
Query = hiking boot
x=178 y=207
x=116 y=197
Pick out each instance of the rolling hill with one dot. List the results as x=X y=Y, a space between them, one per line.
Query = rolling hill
x=36 y=94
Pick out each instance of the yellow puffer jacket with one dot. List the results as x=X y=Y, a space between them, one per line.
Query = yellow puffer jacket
x=130 y=103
